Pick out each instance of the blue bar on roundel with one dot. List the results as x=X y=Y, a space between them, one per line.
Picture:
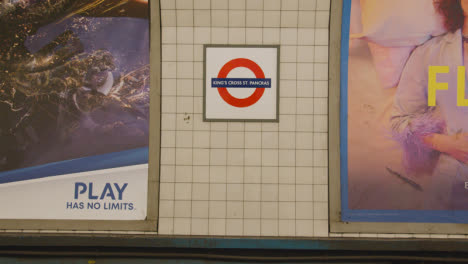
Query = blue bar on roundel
x=240 y=83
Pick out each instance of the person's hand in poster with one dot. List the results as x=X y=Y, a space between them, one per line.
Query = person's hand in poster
x=453 y=145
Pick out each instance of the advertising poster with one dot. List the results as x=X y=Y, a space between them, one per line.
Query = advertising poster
x=404 y=111
x=74 y=109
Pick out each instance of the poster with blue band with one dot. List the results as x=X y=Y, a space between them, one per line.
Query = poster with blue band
x=74 y=109
x=404 y=111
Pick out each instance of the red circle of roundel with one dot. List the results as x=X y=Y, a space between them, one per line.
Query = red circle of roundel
x=244 y=102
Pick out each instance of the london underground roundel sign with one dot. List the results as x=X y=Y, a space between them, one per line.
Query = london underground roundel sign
x=241 y=83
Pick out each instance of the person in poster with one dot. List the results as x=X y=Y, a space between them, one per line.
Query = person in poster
x=74 y=79
x=435 y=139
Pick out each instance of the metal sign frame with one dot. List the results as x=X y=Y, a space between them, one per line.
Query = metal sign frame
x=277 y=47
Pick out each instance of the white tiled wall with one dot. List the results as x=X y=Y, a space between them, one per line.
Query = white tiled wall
x=245 y=179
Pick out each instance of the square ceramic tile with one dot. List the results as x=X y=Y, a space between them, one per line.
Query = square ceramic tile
x=306 y=54
x=269 y=192
x=269 y=227
x=235 y=157
x=202 y=18
x=270 y=175
x=219 y=35
x=201 y=157
x=236 y=18
x=321 y=193
x=167 y=156
x=251 y=210
x=235 y=174
x=321 y=89
x=304 y=210
x=254 y=36
x=236 y=4
x=235 y=209
x=184 y=18
x=235 y=192
x=166 y=226
x=320 y=175
x=323 y=4
x=304 y=175
x=184 y=4
x=289 y=36
x=305 y=193
x=287 y=228
x=167 y=173
x=199 y=226
x=287 y=192
x=168 y=86
x=200 y=191
x=321 y=228
x=254 y=19
x=234 y=227
x=168 y=105
x=254 y=4
x=218 y=174
x=201 y=174
x=304 y=228
x=306 y=71
x=183 y=174
x=289 y=5
x=271 y=19
x=287 y=210
x=201 y=4
x=270 y=157
x=321 y=71
x=308 y=4
x=320 y=140
x=288 y=54
x=271 y=36
x=304 y=140
x=219 y=18
x=167 y=4
x=304 y=158
x=288 y=121
x=236 y=35
x=305 y=106
x=184 y=87
x=287 y=157
x=321 y=36
x=166 y=208
x=320 y=210
x=183 y=191
x=252 y=157
x=182 y=208
x=287 y=140
x=306 y=36
x=322 y=19
x=306 y=19
x=269 y=210
x=166 y=191
x=219 y=4
x=217 y=209
x=289 y=19
x=218 y=191
x=272 y=5
x=252 y=192
x=168 y=18
x=217 y=227
x=320 y=158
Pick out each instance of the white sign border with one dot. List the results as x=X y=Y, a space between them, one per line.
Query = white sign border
x=277 y=47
